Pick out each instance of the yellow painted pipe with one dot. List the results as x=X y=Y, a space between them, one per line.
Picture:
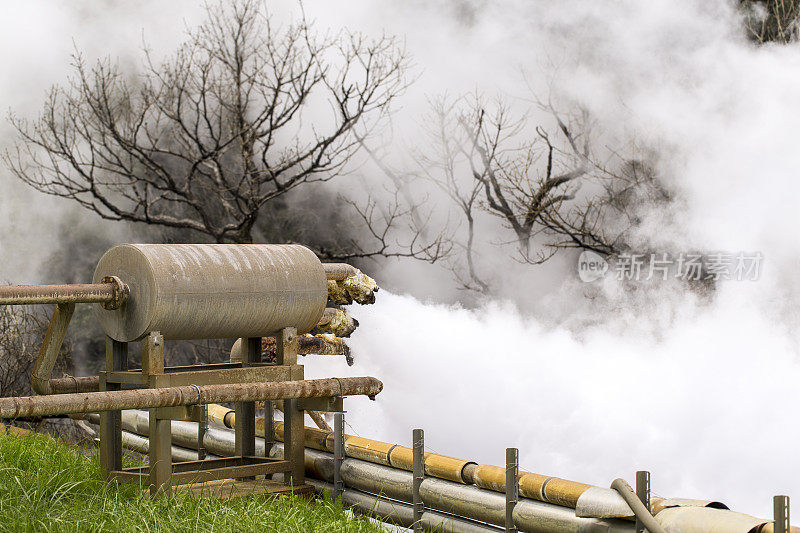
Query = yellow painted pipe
x=536 y=486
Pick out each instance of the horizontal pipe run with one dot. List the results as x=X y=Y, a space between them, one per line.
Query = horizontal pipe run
x=338 y=271
x=320 y=344
x=29 y=406
x=400 y=513
x=536 y=486
x=88 y=293
x=72 y=385
x=140 y=444
x=529 y=515
x=444 y=496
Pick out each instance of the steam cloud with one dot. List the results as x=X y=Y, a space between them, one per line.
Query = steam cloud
x=698 y=392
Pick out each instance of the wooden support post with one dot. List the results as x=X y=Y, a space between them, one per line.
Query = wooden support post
x=294 y=445
x=512 y=487
x=286 y=346
x=153 y=354
x=418 y=475
x=111 y=421
x=160 y=453
x=245 y=430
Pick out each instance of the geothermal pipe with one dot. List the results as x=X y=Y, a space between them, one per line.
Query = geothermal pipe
x=540 y=487
x=30 y=406
x=338 y=271
x=110 y=291
x=394 y=487
x=367 y=504
x=642 y=513
x=362 y=478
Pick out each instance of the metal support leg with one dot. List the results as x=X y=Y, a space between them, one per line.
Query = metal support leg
x=269 y=427
x=202 y=428
x=643 y=492
x=245 y=430
x=781 y=514
x=111 y=421
x=512 y=487
x=294 y=445
x=418 y=473
x=338 y=454
x=160 y=453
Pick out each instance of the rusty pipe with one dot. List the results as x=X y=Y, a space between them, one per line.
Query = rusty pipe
x=111 y=292
x=338 y=271
x=48 y=353
x=320 y=344
x=72 y=384
x=26 y=406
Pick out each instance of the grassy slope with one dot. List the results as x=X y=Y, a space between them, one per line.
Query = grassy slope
x=46 y=486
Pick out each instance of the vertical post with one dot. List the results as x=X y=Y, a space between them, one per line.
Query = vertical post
x=338 y=454
x=202 y=428
x=643 y=492
x=245 y=430
x=286 y=346
x=293 y=424
x=781 y=514
x=269 y=427
x=512 y=487
x=153 y=354
x=418 y=473
x=160 y=453
x=294 y=445
x=111 y=421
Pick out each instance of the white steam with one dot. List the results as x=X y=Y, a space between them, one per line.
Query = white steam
x=698 y=392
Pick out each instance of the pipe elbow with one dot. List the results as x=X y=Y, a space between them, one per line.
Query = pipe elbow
x=41 y=385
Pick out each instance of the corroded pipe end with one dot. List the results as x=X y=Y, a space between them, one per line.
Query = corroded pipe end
x=338 y=271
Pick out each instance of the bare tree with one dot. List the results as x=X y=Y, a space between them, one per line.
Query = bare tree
x=772 y=20
x=545 y=186
x=243 y=114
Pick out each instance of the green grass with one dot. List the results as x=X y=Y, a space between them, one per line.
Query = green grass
x=47 y=486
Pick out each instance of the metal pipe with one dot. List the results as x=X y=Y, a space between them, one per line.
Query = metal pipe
x=401 y=514
x=337 y=322
x=187 y=395
x=213 y=291
x=141 y=445
x=445 y=496
x=641 y=512
x=374 y=451
x=320 y=344
x=111 y=292
x=51 y=347
x=338 y=271
x=72 y=384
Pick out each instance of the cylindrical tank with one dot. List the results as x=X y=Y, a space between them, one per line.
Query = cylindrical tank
x=213 y=291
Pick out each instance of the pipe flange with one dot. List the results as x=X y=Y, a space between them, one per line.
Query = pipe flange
x=120 y=292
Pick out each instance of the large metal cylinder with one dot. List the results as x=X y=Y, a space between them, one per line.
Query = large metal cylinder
x=213 y=291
